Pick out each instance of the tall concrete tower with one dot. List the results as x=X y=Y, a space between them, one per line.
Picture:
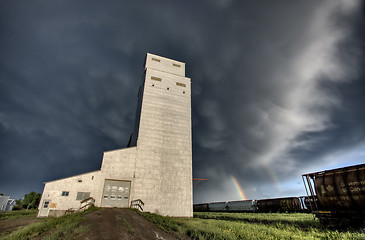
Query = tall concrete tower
x=164 y=155
x=156 y=167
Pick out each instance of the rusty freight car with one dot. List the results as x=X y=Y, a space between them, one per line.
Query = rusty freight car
x=340 y=193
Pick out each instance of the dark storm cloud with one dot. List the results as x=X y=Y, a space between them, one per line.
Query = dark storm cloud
x=271 y=83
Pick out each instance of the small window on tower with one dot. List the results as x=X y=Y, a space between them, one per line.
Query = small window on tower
x=181 y=84
x=156 y=60
x=176 y=65
x=65 y=194
x=156 y=78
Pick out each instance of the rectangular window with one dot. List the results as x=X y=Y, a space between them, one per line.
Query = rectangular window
x=156 y=79
x=175 y=65
x=156 y=60
x=180 y=84
x=64 y=193
x=82 y=195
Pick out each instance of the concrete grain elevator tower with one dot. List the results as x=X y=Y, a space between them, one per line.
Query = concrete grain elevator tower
x=164 y=149
x=156 y=166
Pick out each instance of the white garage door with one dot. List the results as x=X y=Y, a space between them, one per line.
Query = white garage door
x=116 y=194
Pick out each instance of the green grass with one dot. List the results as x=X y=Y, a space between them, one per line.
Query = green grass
x=18 y=214
x=65 y=227
x=299 y=220
x=129 y=227
x=248 y=226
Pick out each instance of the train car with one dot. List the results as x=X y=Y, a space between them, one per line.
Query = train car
x=242 y=206
x=289 y=204
x=311 y=203
x=340 y=193
x=218 y=207
x=202 y=207
x=303 y=205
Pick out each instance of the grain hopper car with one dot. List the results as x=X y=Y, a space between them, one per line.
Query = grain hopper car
x=337 y=196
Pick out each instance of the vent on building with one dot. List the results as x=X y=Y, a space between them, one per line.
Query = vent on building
x=156 y=60
x=181 y=84
x=156 y=78
x=79 y=180
x=82 y=195
x=176 y=65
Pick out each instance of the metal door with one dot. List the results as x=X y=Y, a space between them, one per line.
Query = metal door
x=43 y=212
x=116 y=194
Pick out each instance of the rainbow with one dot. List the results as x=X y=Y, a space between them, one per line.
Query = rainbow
x=274 y=178
x=238 y=187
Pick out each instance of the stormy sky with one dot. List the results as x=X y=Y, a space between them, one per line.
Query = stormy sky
x=278 y=88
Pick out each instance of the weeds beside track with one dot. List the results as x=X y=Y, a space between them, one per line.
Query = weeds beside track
x=249 y=226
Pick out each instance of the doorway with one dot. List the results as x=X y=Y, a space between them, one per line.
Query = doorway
x=116 y=193
x=43 y=212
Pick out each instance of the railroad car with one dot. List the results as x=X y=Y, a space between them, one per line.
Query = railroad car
x=310 y=202
x=218 y=207
x=203 y=207
x=289 y=204
x=242 y=206
x=340 y=193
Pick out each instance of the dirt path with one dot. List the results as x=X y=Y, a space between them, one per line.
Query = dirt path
x=9 y=225
x=113 y=223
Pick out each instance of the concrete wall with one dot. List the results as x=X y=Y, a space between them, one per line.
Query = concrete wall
x=119 y=164
x=92 y=182
x=164 y=156
x=164 y=64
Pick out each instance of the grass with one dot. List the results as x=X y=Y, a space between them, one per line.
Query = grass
x=299 y=220
x=203 y=226
x=65 y=227
x=129 y=227
x=18 y=214
x=248 y=226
